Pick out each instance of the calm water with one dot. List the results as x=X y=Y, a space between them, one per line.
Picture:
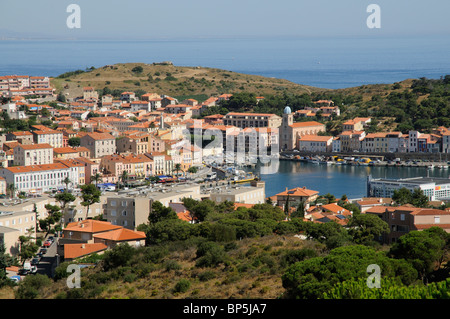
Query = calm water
x=336 y=179
x=321 y=62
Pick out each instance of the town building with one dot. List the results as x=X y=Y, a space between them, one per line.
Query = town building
x=315 y=143
x=46 y=135
x=404 y=219
x=433 y=187
x=99 y=144
x=244 y=120
x=291 y=132
x=33 y=154
x=296 y=195
x=37 y=178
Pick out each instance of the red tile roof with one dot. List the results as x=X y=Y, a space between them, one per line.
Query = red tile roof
x=78 y=250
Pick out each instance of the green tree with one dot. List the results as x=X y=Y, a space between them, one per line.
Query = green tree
x=67 y=181
x=124 y=177
x=54 y=215
x=314 y=277
x=74 y=141
x=177 y=169
x=28 y=248
x=159 y=212
x=331 y=233
x=137 y=69
x=198 y=210
x=65 y=198
x=365 y=228
x=424 y=250
x=32 y=286
x=90 y=194
x=96 y=178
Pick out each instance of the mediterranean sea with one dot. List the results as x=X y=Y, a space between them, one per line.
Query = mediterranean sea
x=321 y=62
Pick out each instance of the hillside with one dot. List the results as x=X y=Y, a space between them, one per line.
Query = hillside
x=166 y=78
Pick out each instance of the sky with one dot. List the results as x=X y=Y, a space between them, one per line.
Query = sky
x=144 y=19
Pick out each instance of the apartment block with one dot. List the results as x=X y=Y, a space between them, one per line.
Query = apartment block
x=100 y=144
x=33 y=154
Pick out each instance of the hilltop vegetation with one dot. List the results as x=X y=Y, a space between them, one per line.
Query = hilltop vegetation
x=166 y=78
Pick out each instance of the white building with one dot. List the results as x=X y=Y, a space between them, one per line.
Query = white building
x=336 y=144
x=33 y=154
x=433 y=188
x=37 y=178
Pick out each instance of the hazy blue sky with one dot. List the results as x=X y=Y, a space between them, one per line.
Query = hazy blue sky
x=209 y=18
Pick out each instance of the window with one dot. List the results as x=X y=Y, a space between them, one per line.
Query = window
x=402 y=216
x=124 y=213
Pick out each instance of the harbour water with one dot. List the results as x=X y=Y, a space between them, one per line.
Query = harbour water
x=336 y=179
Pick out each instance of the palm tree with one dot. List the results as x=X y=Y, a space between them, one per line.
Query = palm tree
x=12 y=190
x=177 y=168
x=124 y=177
x=67 y=181
x=96 y=178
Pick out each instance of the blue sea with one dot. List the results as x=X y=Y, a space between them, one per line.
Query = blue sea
x=321 y=62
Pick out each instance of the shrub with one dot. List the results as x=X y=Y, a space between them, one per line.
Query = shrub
x=171 y=265
x=30 y=287
x=118 y=256
x=207 y=275
x=182 y=285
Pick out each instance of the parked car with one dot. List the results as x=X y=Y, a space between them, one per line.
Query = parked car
x=15 y=278
x=43 y=251
x=35 y=261
x=33 y=270
x=47 y=243
x=24 y=271
x=51 y=238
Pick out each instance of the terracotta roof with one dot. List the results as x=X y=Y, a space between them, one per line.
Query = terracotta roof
x=35 y=168
x=21 y=133
x=251 y=114
x=34 y=146
x=66 y=149
x=306 y=124
x=100 y=136
x=91 y=226
x=315 y=138
x=336 y=208
x=298 y=191
x=78 y=250
x=122 y=234
x=430 y=211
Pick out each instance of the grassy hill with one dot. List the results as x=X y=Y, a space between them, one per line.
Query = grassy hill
x=166 y=78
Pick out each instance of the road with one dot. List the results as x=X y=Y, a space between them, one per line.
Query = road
x=46 y=264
